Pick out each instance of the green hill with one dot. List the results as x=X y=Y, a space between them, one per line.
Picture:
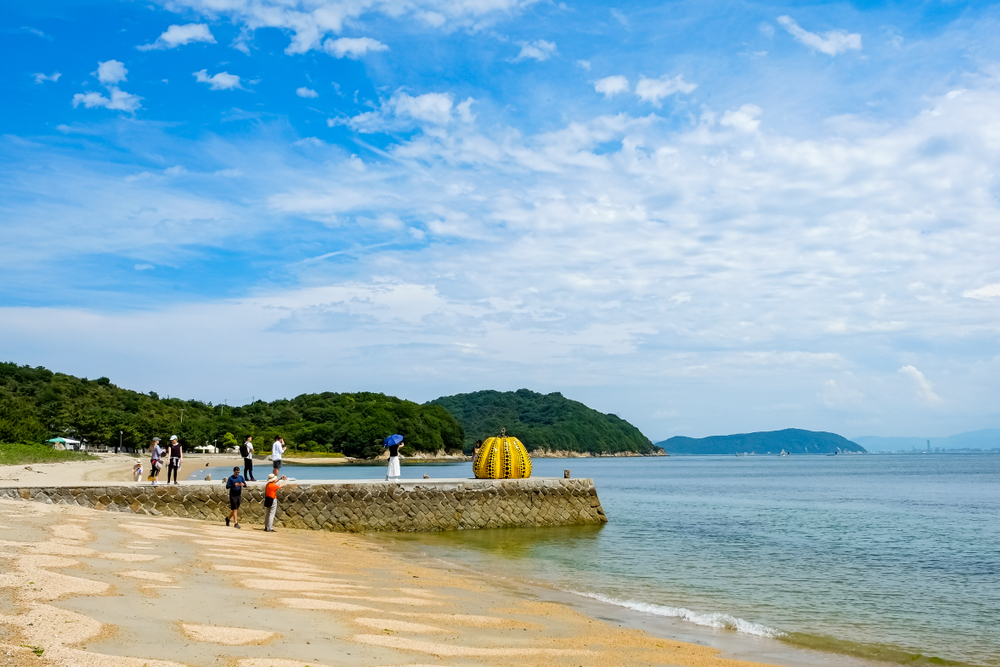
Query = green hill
x=791 y=440
x=549 y=422
x=37 y=404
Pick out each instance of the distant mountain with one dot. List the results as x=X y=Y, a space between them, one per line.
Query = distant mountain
x=543 y=422
x=985 y=439
x=791 y=440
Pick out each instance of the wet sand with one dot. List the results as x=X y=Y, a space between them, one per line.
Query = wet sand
x=92 y=588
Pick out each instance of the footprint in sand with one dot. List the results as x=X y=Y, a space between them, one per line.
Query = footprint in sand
x=214 y=634
x=400 y=626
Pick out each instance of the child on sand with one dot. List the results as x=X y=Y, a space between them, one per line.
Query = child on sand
x=137 y=471
x=271 y=500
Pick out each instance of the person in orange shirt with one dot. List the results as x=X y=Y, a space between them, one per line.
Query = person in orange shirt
x=271 y=500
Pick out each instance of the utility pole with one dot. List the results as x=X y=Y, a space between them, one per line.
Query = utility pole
x=182 y=416
x=120 y=435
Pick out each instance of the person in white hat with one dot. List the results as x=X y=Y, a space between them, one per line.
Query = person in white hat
x=271 y=500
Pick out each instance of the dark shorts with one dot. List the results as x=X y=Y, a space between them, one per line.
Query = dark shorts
x=234 y=502
x=277 y=464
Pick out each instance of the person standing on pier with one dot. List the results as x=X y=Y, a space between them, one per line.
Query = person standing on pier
x=277 y=449
x=176 y=459
x=271 y=500
x=246 y=451
x=393 y=443
x=155 y=454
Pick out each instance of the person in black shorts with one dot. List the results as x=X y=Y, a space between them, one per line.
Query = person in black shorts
x=246 y=451
x=235 y=485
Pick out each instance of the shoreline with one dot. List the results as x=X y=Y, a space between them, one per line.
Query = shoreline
x=731 y=644
x=84 y=587
x=735 y=646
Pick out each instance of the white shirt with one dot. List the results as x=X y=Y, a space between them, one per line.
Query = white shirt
x=277 y=450
x=249 y=448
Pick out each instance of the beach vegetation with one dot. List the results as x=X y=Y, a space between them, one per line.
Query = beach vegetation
x=549 y=422
x=37 y=404
x=21 y=453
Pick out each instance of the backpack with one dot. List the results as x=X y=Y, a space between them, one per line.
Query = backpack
x=244 y=452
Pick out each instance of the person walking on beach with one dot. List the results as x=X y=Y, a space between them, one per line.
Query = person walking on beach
x=176 y=459
x=277 y=449
x=246 y=451
x=235 y=485
x=155 y=454
x=271 y=500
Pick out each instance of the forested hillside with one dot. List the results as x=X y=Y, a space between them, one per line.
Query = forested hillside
x=37 y=404
x=543 y=421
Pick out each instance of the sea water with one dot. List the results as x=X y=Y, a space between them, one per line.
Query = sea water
x=880 y=556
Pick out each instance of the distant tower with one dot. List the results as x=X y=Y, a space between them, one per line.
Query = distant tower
x=928 y=446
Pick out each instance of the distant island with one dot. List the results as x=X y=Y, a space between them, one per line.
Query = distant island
x=546 y=423
x=790 y=440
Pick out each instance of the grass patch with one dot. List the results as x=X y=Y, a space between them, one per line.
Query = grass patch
x=18 y=453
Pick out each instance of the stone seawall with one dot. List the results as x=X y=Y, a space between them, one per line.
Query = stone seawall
x=409 y=506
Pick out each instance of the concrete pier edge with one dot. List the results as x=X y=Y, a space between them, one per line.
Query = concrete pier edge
x=353 y=506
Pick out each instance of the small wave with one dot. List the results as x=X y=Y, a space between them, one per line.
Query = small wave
x=708 y=620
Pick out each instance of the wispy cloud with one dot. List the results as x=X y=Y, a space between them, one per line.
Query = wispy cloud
x=353 y=47
x=306 y=92
x=831 y=43
x=924 y=389
x=654 y=90
x=539 y=50
x=178 y=35
x=41 y=78
x=220 y=81
x=611 y=85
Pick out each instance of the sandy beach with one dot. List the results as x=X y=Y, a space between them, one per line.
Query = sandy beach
x=118 y=468
x=88 y=588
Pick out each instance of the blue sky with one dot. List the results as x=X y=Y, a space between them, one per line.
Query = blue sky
x=706 y=217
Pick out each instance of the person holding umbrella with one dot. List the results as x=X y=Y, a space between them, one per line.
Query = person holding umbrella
x=392 y=444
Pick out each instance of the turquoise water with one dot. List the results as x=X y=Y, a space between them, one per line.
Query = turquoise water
x=885 y=556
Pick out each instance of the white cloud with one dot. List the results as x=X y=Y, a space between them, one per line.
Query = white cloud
x=118 y=100
x=588 y=231
x=402 y=110
x=39 y=77
x=835 y=395
x=830 y=43
x=144 y=267
x=306 y=92
x=984 y=293
x=111 y=72
x=611 y=86
x=743 y=119
x=923 y=386
x=310 y=22
x=583 y=64
x=220 y=81
x=654 y=90
x=353 y=47
x=179 y=35
x=539 y=50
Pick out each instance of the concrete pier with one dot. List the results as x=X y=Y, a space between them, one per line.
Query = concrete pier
x=353 y=506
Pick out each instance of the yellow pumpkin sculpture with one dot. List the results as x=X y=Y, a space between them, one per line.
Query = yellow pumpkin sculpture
x=502 y=458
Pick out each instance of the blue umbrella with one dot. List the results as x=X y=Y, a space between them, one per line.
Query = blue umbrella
x=392 y=440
